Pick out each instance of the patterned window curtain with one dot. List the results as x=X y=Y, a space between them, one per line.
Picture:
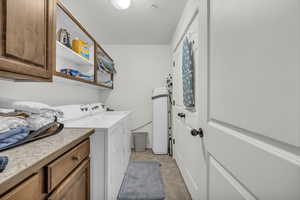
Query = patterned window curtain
x=188 y=74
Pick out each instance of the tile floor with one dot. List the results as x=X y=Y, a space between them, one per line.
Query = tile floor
x=174 y=185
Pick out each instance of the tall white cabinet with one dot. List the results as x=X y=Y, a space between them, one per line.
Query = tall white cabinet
x=160 y=98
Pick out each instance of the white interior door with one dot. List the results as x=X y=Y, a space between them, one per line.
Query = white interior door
x=189 y=150
x=177 y=79
x=250 y=91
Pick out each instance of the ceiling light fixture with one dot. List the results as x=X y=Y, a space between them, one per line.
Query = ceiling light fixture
x=121 y=4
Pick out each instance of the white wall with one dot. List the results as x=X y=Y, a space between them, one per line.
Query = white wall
x=49 y=93
x=140 y=69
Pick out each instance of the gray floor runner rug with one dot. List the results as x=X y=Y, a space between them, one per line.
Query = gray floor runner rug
x=142 y=181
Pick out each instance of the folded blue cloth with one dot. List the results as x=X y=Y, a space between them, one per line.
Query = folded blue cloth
x=13 y=136
x=12 y=132
x=3 y=163
x=77 y=73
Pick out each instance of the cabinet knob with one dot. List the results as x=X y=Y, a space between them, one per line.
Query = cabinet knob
x=196 y=132
x=76 y=158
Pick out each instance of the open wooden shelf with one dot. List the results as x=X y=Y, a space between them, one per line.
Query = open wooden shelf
x=66 y=58
x=66 y=76
x=71 y=56
x=72 y=77
x=102 y=75
x=101 y=85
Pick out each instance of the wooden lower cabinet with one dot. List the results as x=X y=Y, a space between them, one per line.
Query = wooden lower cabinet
x=31 y=189
x=75 y=185
x=59 y=169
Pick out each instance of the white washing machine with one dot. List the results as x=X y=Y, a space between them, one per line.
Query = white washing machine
x=110 y=145
x=160 y=120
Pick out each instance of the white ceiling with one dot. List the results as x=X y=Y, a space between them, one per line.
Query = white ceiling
x=140 y=24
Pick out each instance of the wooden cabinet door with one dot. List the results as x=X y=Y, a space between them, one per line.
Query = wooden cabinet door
x=59 y=169
x=31 y=189
x=76 y=186
x=27 y=32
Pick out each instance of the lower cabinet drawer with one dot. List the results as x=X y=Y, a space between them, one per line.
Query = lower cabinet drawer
x=31 y=189
x=76 y=186
x=58 y=170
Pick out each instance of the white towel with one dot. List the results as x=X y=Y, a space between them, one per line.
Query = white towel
x=36 y=121
x=34 y=107
x=2 y=110
x=6 y=102
x=12 y=123
x=4 y=128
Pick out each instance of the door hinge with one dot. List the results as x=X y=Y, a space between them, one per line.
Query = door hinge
x=173 y=63
x=173 y=102
x=173 y=141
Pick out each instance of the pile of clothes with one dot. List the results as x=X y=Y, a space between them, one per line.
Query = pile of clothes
x=19 y=119
x=12 y=130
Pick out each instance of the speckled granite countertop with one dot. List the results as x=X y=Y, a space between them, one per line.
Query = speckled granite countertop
x=28 y=159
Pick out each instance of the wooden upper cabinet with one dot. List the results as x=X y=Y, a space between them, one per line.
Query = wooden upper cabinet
x=27 y=30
